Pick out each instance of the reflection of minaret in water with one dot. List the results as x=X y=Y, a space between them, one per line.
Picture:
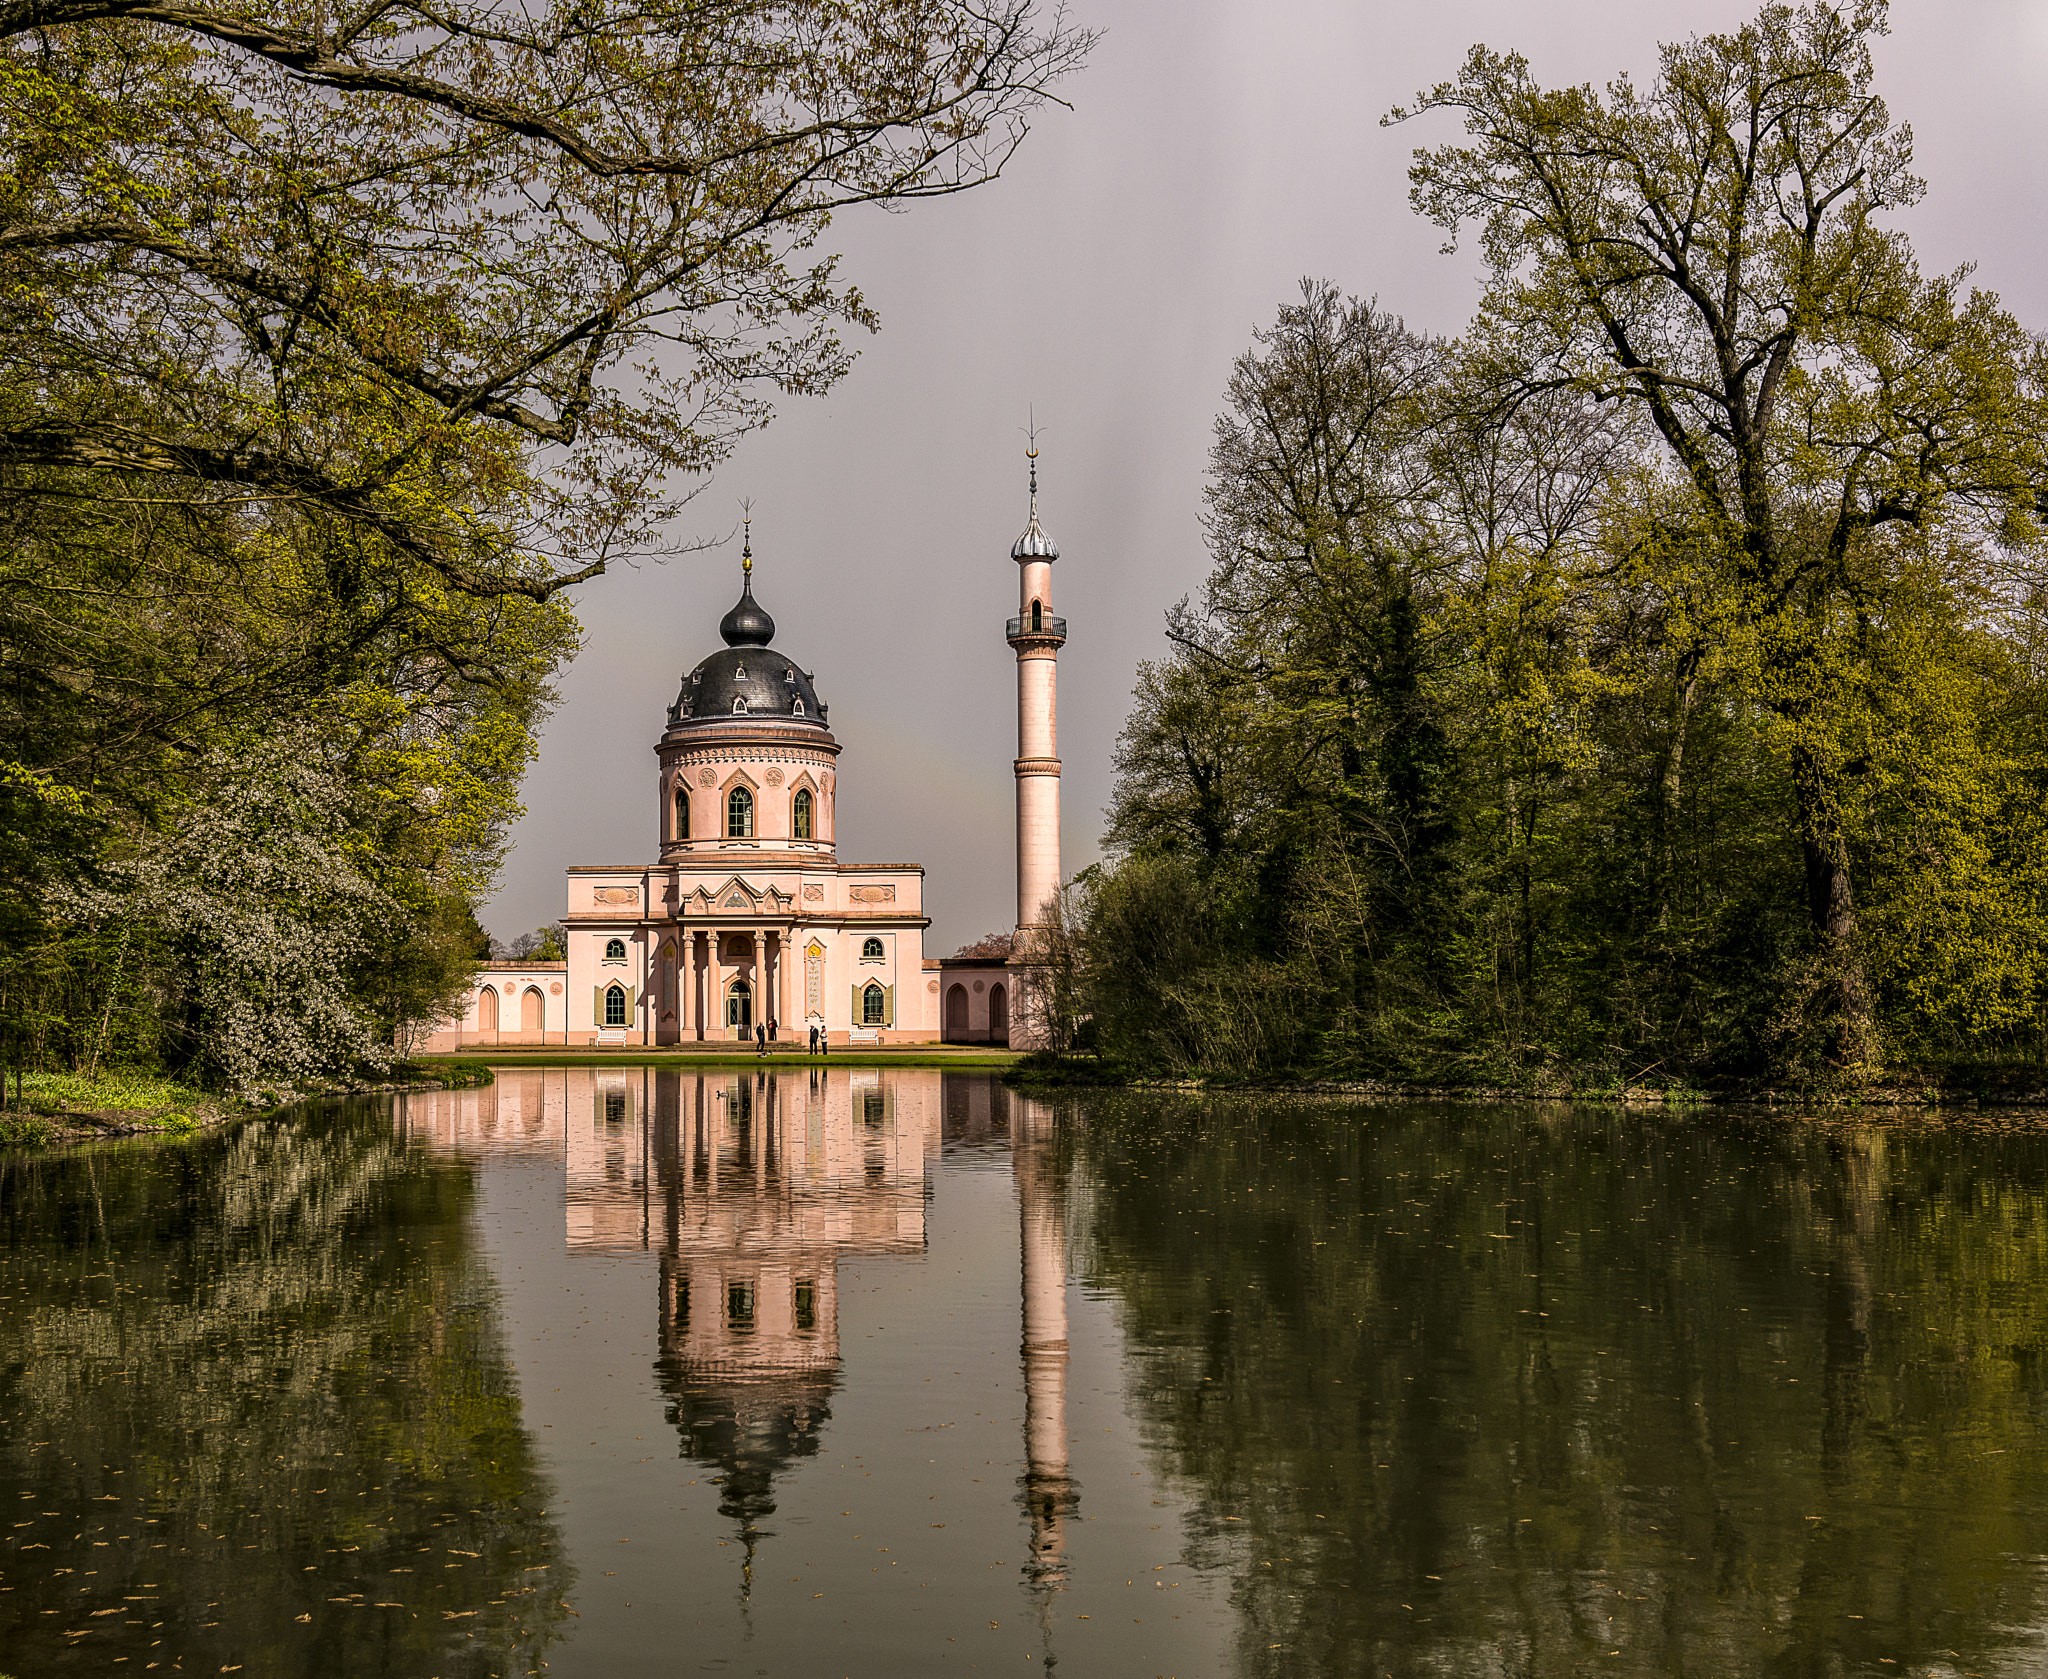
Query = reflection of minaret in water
x=1049 y=1491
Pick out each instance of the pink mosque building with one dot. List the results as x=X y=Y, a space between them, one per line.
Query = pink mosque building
x=746 y=914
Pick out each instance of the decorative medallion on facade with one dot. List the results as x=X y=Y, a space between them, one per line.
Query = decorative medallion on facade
x=775 y=778
x=814 y=894
x=617 y=895
x=872 y=894
x=707 y=778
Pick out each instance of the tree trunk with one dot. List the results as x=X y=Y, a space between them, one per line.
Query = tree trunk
x=1831 y=911
x=1671 y=783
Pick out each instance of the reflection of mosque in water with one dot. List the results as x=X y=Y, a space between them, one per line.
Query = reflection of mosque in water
x=751 y=1188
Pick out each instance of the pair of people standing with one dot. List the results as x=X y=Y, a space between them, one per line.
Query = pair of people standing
x=764 y=1035
x=820 y=1044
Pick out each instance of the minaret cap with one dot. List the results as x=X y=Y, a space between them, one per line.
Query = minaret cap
x=1034 y=544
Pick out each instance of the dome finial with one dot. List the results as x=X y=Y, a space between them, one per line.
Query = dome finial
x=747 y=625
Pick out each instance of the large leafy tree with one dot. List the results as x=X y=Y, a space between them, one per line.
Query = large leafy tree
x=334 y=345
x=474 y=280
x=1711 y=252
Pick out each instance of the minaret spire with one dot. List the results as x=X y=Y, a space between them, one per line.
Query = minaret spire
x=1037 y=637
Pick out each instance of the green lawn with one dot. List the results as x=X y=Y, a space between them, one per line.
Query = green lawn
x=782 y=1057
x=116 y=1087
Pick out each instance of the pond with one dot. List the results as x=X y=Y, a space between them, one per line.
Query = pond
x=855 y=1373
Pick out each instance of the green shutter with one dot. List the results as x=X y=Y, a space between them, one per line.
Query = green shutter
x=597 y=1007
x=888 y=1005
x=855 y=1017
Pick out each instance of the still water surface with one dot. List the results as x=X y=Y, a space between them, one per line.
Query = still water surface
x=863 y=1374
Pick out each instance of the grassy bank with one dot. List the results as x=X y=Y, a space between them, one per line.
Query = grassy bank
x=127 y=1101
x=1948 y=1084
x=782 y=1060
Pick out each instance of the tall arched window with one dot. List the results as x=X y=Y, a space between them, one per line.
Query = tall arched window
x=800 y=814
x=682 y=814
x=615 y=950
x=1037 y=616
x=615 y=1006
x=873 y=1004
x=739 y=814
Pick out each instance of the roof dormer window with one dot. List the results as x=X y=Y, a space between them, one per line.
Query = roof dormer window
x=739 y=706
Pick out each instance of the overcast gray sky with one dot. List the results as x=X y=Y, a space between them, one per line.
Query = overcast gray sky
x=1217 y=152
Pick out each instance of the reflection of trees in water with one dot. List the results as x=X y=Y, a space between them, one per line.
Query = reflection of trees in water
x=1482 y=1391
x=271 y=1403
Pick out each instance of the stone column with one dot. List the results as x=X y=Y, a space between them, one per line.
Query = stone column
x=1049 y=1491
x=714 y=987
x=760 y=938
x=688 y=1017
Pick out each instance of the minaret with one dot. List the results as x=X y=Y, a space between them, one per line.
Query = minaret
x=1037 y=636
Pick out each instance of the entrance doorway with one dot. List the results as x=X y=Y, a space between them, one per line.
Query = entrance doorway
x=739 y=1009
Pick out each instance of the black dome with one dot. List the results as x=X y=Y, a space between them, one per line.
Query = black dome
x=746 y=678
x=746 y=625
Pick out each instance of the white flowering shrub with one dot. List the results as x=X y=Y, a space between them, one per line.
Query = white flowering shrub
x=262 y=911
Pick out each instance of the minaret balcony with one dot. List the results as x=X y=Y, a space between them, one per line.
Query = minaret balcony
x=1046 y=631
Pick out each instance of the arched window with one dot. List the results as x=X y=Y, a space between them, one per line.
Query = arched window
x=739 y=1005
x=487 y=1009
x=739 y=814
x=873 y=1005
x=682 y=814
x=615 y=1006
x=998 y=1013
x=1037 y=616
x=739 y=706
x=800 y=813
x=956 y=1010
x=532 y=1010
x=871 y=950
x=799 y=711
x=615 y=950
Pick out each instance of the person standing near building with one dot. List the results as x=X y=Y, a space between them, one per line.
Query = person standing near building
x=760 y=1039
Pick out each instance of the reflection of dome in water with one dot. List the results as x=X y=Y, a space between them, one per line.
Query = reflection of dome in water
x=751 y=1431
